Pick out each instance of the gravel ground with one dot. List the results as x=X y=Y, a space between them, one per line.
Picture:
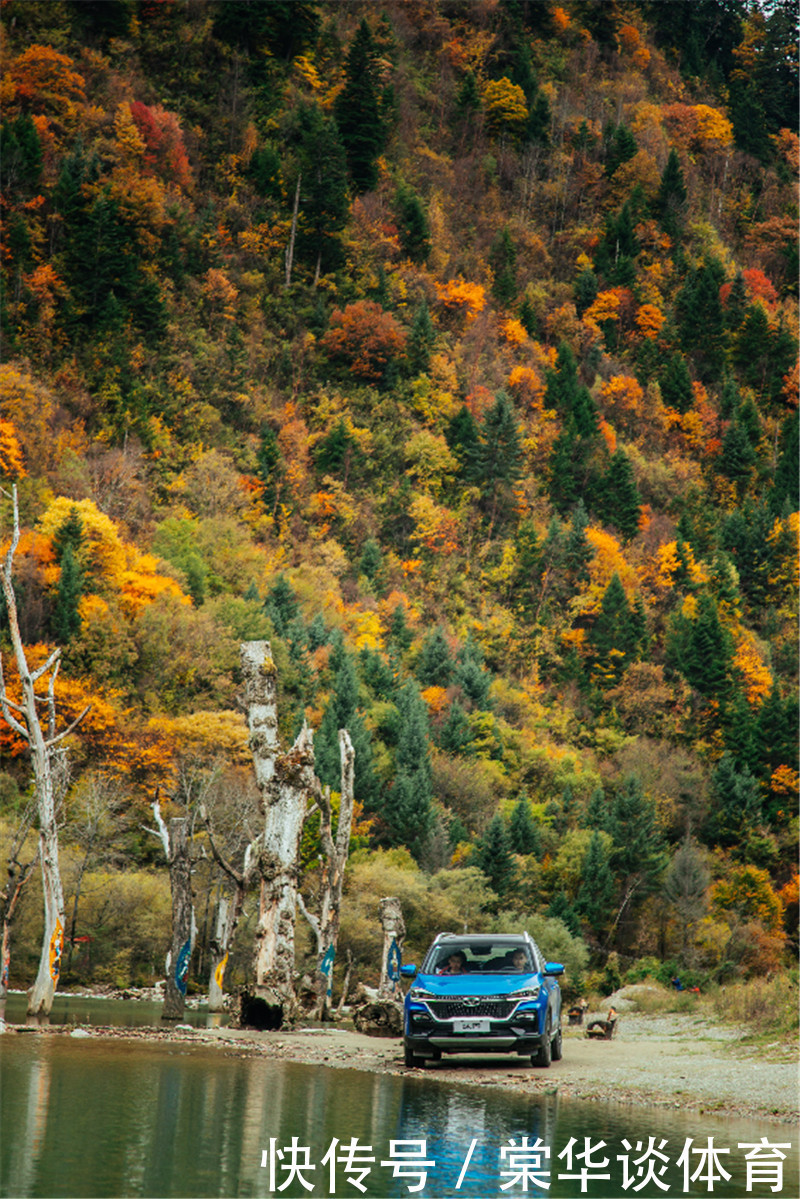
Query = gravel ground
x=683 y=1062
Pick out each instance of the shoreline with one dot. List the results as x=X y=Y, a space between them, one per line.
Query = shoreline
x=672 y=1062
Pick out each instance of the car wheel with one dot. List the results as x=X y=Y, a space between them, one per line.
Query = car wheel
x=411 y=1058
x=557 y=1046
x=545 y=1054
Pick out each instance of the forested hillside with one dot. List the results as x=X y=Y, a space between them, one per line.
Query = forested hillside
x=450 y=346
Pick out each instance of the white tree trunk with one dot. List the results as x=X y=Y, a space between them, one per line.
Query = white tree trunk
x=286 y=781
x=24 y=719
x=326 y=924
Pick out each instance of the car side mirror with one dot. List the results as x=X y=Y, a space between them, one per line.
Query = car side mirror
x=553 y=968
x=410 y=970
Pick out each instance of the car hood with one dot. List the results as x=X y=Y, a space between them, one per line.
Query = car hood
x=446 y=985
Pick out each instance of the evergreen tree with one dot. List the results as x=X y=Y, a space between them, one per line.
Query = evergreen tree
x=415 y=232
x=561 y=909
x=371 y=561
x=619 y=500
x=358 y=111
x=66 y=618
x=421 y=339
x=738 y=457
x=399 y=635
x=638 y=853
x=471 y=677
x=463 y=439
x=736 y=307
x=676 y=384
x=21 y=155
x=493 y=857
x=620 y=146
x=456 y=735
x=710 y=651
x=670 y=203
x=523 y=833
x=321 y=170
x=435 y=666
x=527 y=317
x=342 y=713
x=503 y=259
x=281 y=606
x=614 y=636
x=786 y=481
x=736 y=802
x=596 y=893
x=585 y=290
x=497 y=461
x=701 y=321
x=407 y=811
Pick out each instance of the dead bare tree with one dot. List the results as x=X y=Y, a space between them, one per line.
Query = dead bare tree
x=286 y=781
x=18 y=873
x=175 y=841
x=326 y=925
x=46 y=759
x=229 y=909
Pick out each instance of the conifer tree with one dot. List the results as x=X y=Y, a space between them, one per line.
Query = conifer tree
x=493 y=857
x=421 y=339
x=701 y=321
x=282 y=607
x=523 y=834
x=670 y=203
x=406 y=810
x=435 y=666
x=66 y=617
x=676 y=384
x=619 y=500
x=497 y=460
x=710 y=651
x=456 y=735
x=342 y=712
x=596 y=893
x=415 y=232
x=502 y=259
x=358 y=111
x=614 y=636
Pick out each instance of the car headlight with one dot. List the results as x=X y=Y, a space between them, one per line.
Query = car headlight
x=528 y=993
x=420 y=993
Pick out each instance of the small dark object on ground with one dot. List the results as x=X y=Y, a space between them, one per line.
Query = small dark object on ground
x=603 y=1030
x=575 y=1013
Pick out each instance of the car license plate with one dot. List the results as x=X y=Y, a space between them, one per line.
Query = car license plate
x=465 y=1024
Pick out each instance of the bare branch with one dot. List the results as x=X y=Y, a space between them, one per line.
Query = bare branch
x=55 y=740
x=48 y=665
x=6 y=705
x=222 y=862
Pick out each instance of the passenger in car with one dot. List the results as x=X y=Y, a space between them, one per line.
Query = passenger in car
x=455 y=963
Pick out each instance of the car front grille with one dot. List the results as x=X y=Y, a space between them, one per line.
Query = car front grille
x=495 y=1009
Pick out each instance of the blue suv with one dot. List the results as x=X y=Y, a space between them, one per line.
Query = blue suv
x=483 y=994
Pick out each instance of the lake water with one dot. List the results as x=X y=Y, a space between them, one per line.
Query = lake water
x=99 y=1117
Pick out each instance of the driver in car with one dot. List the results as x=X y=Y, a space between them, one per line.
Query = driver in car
x=456 y=963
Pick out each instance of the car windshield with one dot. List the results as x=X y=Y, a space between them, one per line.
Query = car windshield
x=479 y=957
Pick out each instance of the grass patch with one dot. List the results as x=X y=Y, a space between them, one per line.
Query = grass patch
x=766 y=1007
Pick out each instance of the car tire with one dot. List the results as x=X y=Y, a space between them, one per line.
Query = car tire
x=545 y=1053
x=411 y=1058
x=557 y=1046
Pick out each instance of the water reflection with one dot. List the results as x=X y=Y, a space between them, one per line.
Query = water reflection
x=100 y=1117
x=116 y=1013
